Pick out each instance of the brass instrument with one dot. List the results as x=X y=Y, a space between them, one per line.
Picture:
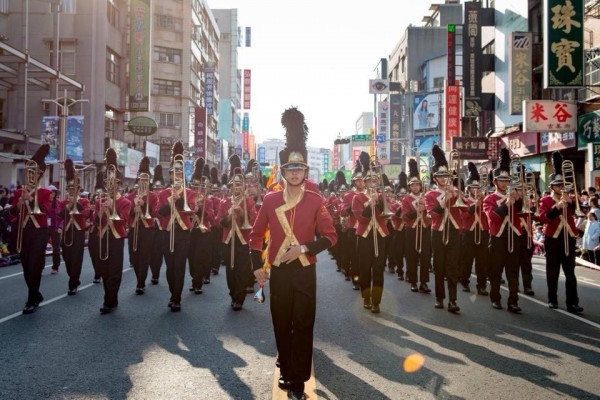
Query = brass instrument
x=455 y=165
x=258 y=183
x=240 y=199
x=31 y=185
x=177 y=184
x=419 y=221
x=376 y=173
x=111 y=184
x=570 y=186
x=143 y=190
x=481 y=192
x=203 y=191
x=377 y=169
x=516 y=181
x=530 y=189
x=74 y=198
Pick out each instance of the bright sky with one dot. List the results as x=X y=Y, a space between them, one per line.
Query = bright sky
x=317 y=55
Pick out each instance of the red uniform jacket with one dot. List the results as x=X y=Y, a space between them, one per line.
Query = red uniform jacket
x=362 y=211
x=204 y=213
x=291 y=222
x=152 y=208
x=409 y=206
x=181 y=218
x=346 y=209
x=77 y=221
x=117 y=227
x=222 y=218
x=473 y=217
x=396 y=218
x=552 y=218
x=498 y=214
x=38 y=220
x=333 y=206
x=279 y=185
x=439 y=215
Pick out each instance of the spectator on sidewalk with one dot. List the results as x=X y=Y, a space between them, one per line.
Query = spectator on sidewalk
x=591 y=239
x=538 y=240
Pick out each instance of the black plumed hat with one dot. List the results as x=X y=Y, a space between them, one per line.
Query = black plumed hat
x=176 y=150
x=402 y=182
x=235 y=165
x=502 y=172
x=250 y=167
x=70 y=172
x=473 y=179
x=340 y=179
x=198 y=169
x=40 y=156
x=413 y=172
x=158 y=180
x=144 y=166
x=556 y=178
x=110 y=158
x=214 y=176
x=294 y=155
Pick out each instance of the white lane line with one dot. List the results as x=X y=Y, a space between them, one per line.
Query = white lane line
x=52 y=300
x=579 y=279
x=21 y=273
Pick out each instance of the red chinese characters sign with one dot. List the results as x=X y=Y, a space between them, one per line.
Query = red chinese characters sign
x=452 y=125
x=549 y=115
x=247 y=88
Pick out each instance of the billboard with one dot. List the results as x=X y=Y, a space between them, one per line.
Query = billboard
x=427 y=111
x=520 y=67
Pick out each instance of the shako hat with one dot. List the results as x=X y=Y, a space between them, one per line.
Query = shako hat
x=70 y=174
x=158 y=181
x=198 y=170
x=235 y=168
x=402 y=182
x=40 y=157
x=556 y=178
x=294 y=155
x=502 y=172
x=440 y=164
x=413 y=172
x=176 y=151
x=473 y=178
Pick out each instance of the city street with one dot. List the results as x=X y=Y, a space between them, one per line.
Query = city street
x=67 y=350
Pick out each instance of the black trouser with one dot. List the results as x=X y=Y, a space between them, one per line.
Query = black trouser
x=237 y=275
x=142 y=255
x=216 y=247
x=176 y=261
x=73 y=244
x=395 y=251
x=525 y=255
x=480 y=253
x=445 y=262
x=371 y=267
x=414 y=260
x=94 y=250
x=336 y=249
x=199 y=262
x=350 y=253
x=503 y=260
x=293 y=307
x=111 y=269
x=33 y=259
x=54 y=236
x=555 y=257
x=156 y=258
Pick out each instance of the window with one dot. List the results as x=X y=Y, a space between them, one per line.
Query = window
x=3 y=6
x=195 y=94
x=196 y=66
x=110 y=123
x=167 y=54
x=166 y=87
x=68 y=6
x=112 y=13
x=112 y=66
x=66 y=57
x=168 y=23
x=168 y=120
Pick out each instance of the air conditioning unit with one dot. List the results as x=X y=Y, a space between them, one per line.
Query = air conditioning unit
x=163 y=58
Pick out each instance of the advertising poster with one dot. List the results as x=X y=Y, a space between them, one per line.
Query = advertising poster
x=50 y=137
x=74 y=138
x=427 y=112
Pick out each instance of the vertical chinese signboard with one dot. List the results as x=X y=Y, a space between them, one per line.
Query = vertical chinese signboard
x=452 y=126
x=395 y=124
x=451 y=54
x=245 y=131
x=200 y=132
x=472 y=59
x=209 y=92
x=247 y=88
x=588 y=130
x=563 y=43
x=520 y=71
x=139 y=60
x=383 y=118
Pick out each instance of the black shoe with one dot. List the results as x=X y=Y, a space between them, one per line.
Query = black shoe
x=170 y=304
x=391 y=270
x=346 y=278
x=466 y=288
x=96 y=280
x=154 y=281
x=139 y=291
x=482 y=292
x=198 y=290
x=355 y=287
x=513 y=308
x=237 y=306
x=72 y=292
x=414 y=288
x=106 y=310
x=575 y=309
x=497 y=305
x=283 y=383
x=176 y=307
x=215 y=271
x=367 y=304
x=29 y=309
x=552 y=305
x=250 y=289
x=206 y=281
x=296 y=395
x=453 y=307
x=375 y=309
x=401 y=276
x=40 y=298
x=423 y=288
x=439 y=303
x=529 y=292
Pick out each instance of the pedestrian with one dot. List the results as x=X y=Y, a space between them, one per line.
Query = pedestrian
x=293 y=216
x=28 y=210
x=591 y=239
x=557 y=213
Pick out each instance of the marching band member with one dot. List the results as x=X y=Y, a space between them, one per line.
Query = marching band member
x=332 y=203
x=341 y=227
x=175 y=210
x=350 y=251
x=502 y=209
x=74 y=212
x=203 y=219
x=94 y=226
x=293 y=216
x=28 y=212
x=236 y=216
x=141 y=228
x=526 y=245
x=253 y=191
x=445 y=230
x=475 y=238
x=557 y=213
x=371 y=233
x=112 y=213
x=156 y=254
x=215 y=232
x=398 y=231
x=417 y=231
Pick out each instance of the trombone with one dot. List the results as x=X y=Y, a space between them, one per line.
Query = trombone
x=419 y=221
x=143 y=190
x=111 y=183
x=483 y=184
x=455 y=169
x=516 y=181
x=570 y=186
x=31 y=185
x=202 y=192
x=530 y=190
x=178 y=184
x=74 y=194
x=240 y=199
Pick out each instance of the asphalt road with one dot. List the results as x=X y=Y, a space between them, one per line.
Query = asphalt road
x=67 y=350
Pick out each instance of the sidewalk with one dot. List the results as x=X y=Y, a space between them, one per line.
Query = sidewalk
x=582 y=262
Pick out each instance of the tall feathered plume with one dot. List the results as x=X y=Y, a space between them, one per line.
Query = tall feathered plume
x=224 y=179
x=557 y=160
x=40 y=155
x=504 y=160
x=402 y=180
x=206 y=171
x=365 y=161
x=198 y=169
x=413 y=169
x=144 y=166
x=110 y=157
x=250 y=166
x=340 y=179
x=158 y=174
x=357 y=167
x=473 y=172
x=214 y=176
x=177 y=149
x=439 y=156
x=69 y=170
x=295 y=129
x=234 y=165
x=386 y=181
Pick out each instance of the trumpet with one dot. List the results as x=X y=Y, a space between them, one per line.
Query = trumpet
x=177 y=184
x=143 y=190
x=32 y=172
x=570 y=186
x=111 y=183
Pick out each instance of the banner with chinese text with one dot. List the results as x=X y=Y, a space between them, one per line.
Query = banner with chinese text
x=139 y=59
x=520 y=71
x=549 y=115
x=247 y=88
x=588 y=129
x=200 y=132
x=453 y=114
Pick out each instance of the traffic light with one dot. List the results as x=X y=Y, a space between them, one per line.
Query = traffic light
x=342 y=141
